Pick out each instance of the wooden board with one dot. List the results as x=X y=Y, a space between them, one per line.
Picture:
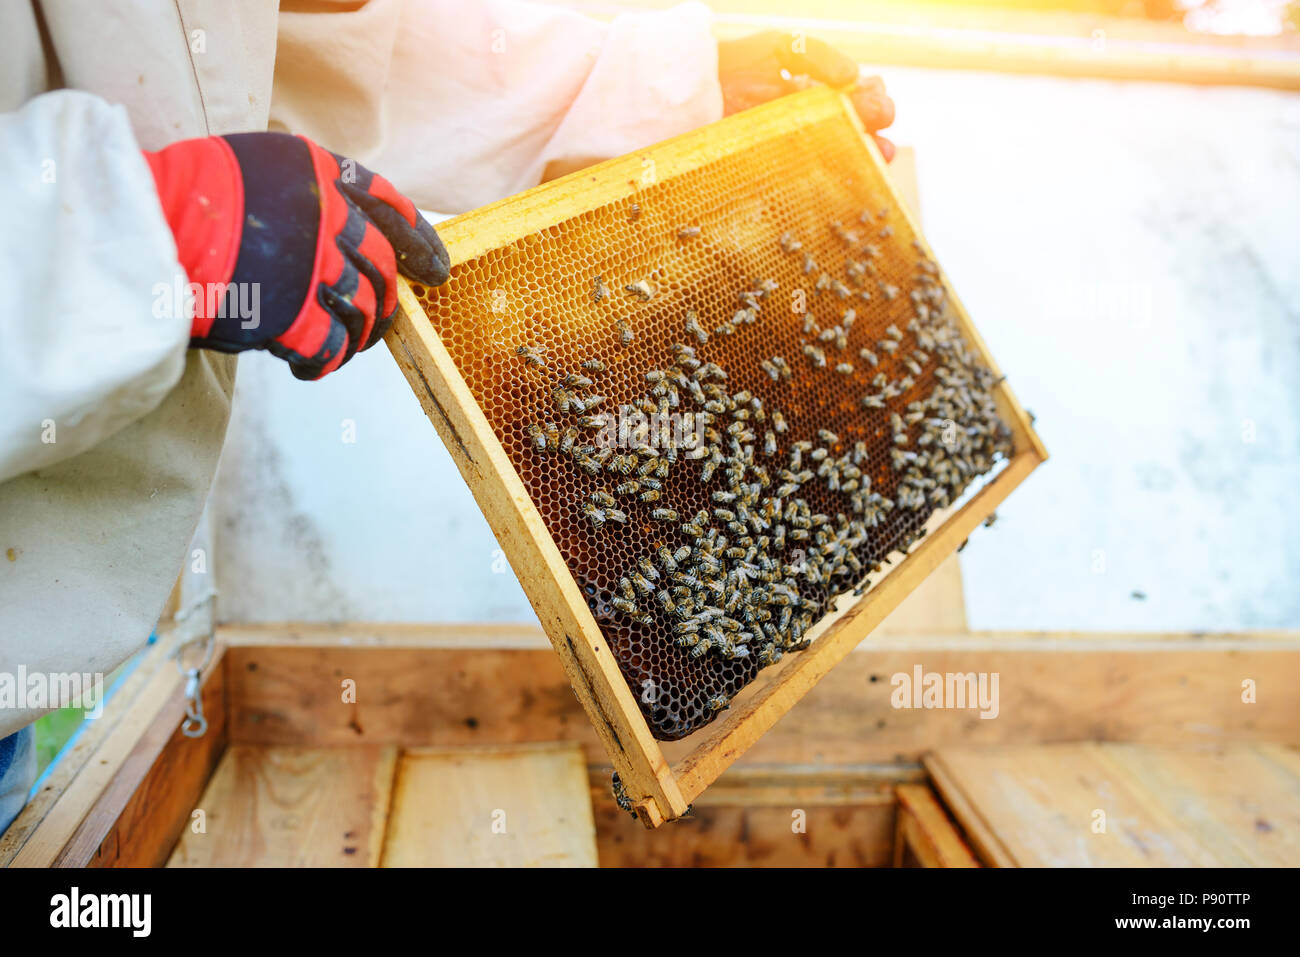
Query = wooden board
x=1117 y=805
x=421 y=686
x=522 y=806
x=292 y=807
x=926 y=833
x=661 y=792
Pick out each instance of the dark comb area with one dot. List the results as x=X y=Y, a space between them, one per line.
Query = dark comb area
x=731 y=398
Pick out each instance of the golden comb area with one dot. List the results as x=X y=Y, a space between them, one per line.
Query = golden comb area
x=770 y=247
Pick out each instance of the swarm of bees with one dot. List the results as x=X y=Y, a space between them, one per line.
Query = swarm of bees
x=745 y=520
x=749 y=575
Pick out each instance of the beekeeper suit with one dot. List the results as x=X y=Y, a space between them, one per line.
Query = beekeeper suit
x=112 y=425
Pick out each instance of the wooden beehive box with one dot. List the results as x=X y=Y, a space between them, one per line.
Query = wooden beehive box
x=524 y=271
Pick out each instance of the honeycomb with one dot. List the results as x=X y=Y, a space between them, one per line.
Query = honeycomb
x=690 y=349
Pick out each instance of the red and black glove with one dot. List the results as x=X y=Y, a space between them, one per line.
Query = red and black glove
x=294 y=249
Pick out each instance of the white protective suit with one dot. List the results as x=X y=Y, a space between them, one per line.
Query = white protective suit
x=111 y=428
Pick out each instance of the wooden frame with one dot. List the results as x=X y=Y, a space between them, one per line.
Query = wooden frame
x=661 y=792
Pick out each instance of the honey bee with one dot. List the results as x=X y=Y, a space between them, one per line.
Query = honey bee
x=651 y=495
x=592 y=421
x=694 y=328
x=593 y=365
x=913 y=365
x=869 y=357
x=536 y=436
x=769 y=443
x=788 y=243
x=630 y=487
x=688 y=232
x=778 y=421
x=886 y=232
x=664 y=515
x=563 y=399
x=598 y=289
x=626 y=607
x=568 y=439
x=595 y=514
x=718 y=702
x=625 y=335
x=616 y=515
x=641 y=289
x=870 y=401
x=827 y=436
x=817 y=357
x=844 y=368
x=531 y=357
x=809 y=264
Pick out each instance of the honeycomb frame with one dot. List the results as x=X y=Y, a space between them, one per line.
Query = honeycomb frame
x=658 y=791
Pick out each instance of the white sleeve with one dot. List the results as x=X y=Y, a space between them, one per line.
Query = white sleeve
x=460 y=104
x=93 y=321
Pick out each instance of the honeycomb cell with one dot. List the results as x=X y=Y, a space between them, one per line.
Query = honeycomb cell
x=793 y=369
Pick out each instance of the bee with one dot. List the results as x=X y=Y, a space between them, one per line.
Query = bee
x=701 y=647
x=591 y=401
x=694 y=328
x=563 y=399
x=769 y=443
x=568 y=439
x=788 y=243
x=887 y=345
x=778 y=421
x=913 y=365
x=616 y=515
x=648 y=568
x=536 y=436
x=869 y=357
x=641 y=290
x=828 y=335
x=772 y=371
x=666 y=600
x=888 y=291
x=642 y=585
x=688 y=232
x=664 y=515
x=989 y=522
x=815 y=355
x=718 y=702
x=844 y=368
x=630 y=487
x=592 y=421
x=847 y=320
x=809 y=264
x=625 y=335
x=594 y=514
x=633 y=212
x=531 y=357
x=652 y=495
x=598 y=289
x=886 y=232
x=593 y=365
x=783 y=366
x=827 y=436
x=626 y=607
x=589 y=465
x=873 y=401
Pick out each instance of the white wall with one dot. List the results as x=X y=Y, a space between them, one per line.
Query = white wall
x=1178 y=206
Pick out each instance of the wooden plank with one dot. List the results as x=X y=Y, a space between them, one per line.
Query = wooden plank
x=659 y=791
x=1147 y=688
x=143 y=810
x=292 y=807
x=1113 y=805
x=924 y=827
x=504 y=807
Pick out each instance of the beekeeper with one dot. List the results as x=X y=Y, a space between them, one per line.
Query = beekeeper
x=153 y=228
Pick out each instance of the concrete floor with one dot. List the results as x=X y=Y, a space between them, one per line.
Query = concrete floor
x=1131 y=253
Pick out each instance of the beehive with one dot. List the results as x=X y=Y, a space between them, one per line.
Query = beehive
x=757 y=268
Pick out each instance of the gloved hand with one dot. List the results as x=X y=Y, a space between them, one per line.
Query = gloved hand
x=295 y=249
x=764 y=66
